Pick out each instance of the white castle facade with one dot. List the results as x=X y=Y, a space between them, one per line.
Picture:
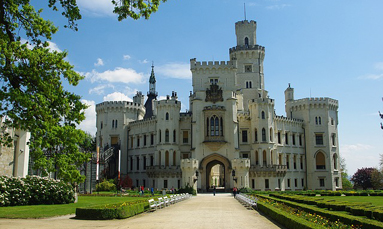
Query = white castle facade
x=231 y=136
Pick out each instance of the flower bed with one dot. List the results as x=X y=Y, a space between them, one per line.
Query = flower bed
x=34 y=190
x=112 y=211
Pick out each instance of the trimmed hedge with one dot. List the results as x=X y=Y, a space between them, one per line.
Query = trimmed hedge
x=287 y=220
x=112 y=211
x=332 y=215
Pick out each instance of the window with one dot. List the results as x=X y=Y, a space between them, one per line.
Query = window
x=137 y=183
x=335 y=161
x=279 y=137
x=288 y=161
x=295 y=182
x=166 y=135
x=288 y=183
x=249 y=84
x=302 y=162
x=336 y=181
x=137 y=163
x=256 y=135
x=318 y=120
x=319 y=139
x=174 y=135
x=174 y=158
x=145 y=140
x=332 y=121
x=138 y=141
x=101 y=125
x=271 y=134
x=303 y=182
x=287 y=138
x=216 y=126
x=165 y=183
x=214 y=81
x=167 y=158
x=263 y=135
x=144 y=163
x=300 y=140
x=115 y=124
x=295 y=162
x=159 y=136
x=263 y=115
x=112 y=123
x=267 y=183
x=159 y=158
x=333 y=140
x=244 y=135
x=293 y=136
x=246 y=41
x=185 y=136
x=151 y=160
x=151 y=139
x=167 y=116
x=320 y=161
x=256 y=158
x=321 y=182
x=245 y=155
x=131 y=163
x=131 y=142
x=252 y=183
x=264 y=158
x=280 y=159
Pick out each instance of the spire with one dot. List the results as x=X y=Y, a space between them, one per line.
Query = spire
x=152 y=82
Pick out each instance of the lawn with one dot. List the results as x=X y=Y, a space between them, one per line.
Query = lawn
x=375 y=200
x=44 y=211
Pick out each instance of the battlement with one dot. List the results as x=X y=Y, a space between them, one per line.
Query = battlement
x=148 y=121
x=118 y=105
x=247 y=47
x=246 y=22
x=286 y=119
x=186 y=114
x=194 y=64
x=314 y=101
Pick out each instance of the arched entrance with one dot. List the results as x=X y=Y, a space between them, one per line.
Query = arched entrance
x=215 y=170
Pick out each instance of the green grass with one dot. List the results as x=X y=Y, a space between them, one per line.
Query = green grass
x=44 y=211
x=375 y=200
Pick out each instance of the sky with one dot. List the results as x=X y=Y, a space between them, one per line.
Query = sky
x=323 y=48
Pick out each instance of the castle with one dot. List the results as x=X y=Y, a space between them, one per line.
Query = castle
x=230 y=137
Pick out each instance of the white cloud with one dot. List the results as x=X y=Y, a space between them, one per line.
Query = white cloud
x=126 y=57
x=97 y=8
x=54 y=47
x=359 y=156
x=143 y=61
x=379 y=66
x=89 y=124
x=99 y=62
x=161 y=97
x=277 y=6
x=117 y=96
x=372 y=77
x=99 y=90
x=175 y=70
x=118 y=75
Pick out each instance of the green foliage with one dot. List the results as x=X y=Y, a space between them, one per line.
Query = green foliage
x=135 y=8
x=106 y=185
x=245 y=190
x=346 y=183
x=363 y=178
x=34 y=190
x=112 y=211
x=188 y=189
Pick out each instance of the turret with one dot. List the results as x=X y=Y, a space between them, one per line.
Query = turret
x=139 y=98
x=246 y=33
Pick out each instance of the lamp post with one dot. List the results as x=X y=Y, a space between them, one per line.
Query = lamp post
x=196 y=176
x=233 y=174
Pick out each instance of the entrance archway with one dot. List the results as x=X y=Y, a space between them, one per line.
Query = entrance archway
x=215 y=169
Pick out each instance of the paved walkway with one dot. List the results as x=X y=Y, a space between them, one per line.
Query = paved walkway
x=202 y=211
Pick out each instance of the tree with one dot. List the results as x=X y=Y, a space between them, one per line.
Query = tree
x=346 y=183
x=32 y=94
x=362 y=178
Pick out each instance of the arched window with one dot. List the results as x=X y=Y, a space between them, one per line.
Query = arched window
x=271 y=134
x=320 y=161
x=247 y=84
x=221 y=127
x=174 y=158
x=256 y=135
x=256 y=158
x=246 y=41
x=280 y=159
x=263 y=115
x=264 y=158
x=295 y=162
x=174 y=136
x=335 y=160
x=167 y=116
x=320 y=120
x=271 y=157
x=167 y=135
x=207 y=126
x=115 y=124
x=250 y=86
x=214 y=126
x=159 y=135
x=167 y=158
x=159 y=158
x=112 y=123
x=263 y=135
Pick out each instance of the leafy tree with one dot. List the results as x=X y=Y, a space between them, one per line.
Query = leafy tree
x=376 y=179
x=346 y=183
x=32 y=94
x=362 y=178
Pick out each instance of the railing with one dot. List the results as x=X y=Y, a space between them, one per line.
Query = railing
x=268 y=168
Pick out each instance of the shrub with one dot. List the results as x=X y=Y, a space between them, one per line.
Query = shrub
x=105 y=185
x=34 y=190
x=112 y=211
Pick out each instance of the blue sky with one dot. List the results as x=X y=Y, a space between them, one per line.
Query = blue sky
x=323 y=48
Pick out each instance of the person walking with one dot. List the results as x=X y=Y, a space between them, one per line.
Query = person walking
x=214 y=189
x=234 y=191
x=152 y=191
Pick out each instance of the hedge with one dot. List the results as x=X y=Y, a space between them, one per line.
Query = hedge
x=333 y=215
x=112 y=211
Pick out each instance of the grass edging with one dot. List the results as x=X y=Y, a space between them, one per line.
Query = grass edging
x=331 y=215
x=112 y=211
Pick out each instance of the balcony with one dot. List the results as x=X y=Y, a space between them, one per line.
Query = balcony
x=163 y=171
x=258 y=170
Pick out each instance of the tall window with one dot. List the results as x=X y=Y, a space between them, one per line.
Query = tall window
x=288 y=161
x=320 y=161
x=167 y=135
x=216 y=126
x=246 y=41
x=300 y=140
x=256 y=135
x=295 y=162
x=167 y=158
x=159 y=136
x=263 y=135
x=145 y=140
x=287 y=138
x=335 y=160
x=115 y=124
x=293 y=136
x=321 y=182
x=319 y=139
x=256 y=158
x=174 y=158
x=185 y=136
x=138 y=163
x=151 y=139
x=263 y=115
x=138 y=141
x=174 y=135
x=244 y=135
x=266 y=183
x=112 y=123
x=333 y=139
x=144 y=162
x=279 y=137
x=264 y=157
x=167 y=116
x=271 y=134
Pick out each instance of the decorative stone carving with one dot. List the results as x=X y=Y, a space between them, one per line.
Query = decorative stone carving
x=214 y=94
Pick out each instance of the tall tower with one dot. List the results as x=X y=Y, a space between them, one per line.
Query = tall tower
x=152 y=95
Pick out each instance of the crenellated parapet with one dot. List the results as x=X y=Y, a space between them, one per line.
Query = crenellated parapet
x=282 y=119
x=248 y=48
x=212 y=65
x=144 y=122
x=306 y=103
x=110 y=106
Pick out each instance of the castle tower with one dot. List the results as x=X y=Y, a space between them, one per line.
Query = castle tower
x=152 y=95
